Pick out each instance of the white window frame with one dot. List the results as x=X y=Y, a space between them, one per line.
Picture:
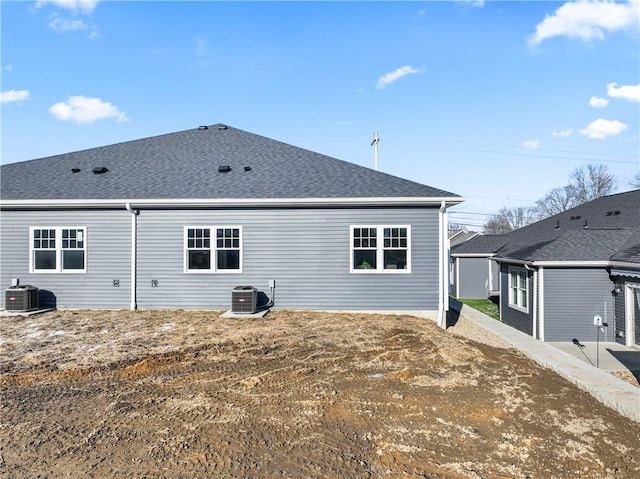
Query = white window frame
x=518 y=289
x=213 y=248
x=380 y=249
x=57 y=249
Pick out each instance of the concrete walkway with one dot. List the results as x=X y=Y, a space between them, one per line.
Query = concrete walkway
x=605 y=387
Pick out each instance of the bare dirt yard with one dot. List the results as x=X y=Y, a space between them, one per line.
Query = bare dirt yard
x=174 y=394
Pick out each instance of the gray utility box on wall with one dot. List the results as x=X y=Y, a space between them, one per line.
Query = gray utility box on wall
x=21 y=298
x=244 y=299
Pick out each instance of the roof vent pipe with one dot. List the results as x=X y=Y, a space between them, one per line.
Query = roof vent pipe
x=98 y=170
x=203 y=127
x=558 y=224
x=224 y=168
x=222 y=127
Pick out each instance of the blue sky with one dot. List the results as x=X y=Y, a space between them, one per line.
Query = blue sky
x=496 y=101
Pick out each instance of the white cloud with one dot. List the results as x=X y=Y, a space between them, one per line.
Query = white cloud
x=391 y=77
x=626 y=92
x=596 y=102
x=66 y=22
x=61 y=25
x=7 y=68
x=81 y=109
x=562 y=133
x=531 y=144
x=13 y=96
x=472 y=3
x=76 y=6
x=587 y=20
x=600 y=129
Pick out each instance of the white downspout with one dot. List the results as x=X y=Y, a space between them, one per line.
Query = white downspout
x=534 y=306
x=134 y=256
x=541 y=303
x=443 y=240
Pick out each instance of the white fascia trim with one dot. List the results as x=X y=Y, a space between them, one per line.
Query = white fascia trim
x=625 y=265
x=229 y=202
x=569 y=264
x=572 y=264
x=472 y=255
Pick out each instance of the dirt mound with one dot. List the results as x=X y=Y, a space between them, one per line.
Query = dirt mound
x=171 y=394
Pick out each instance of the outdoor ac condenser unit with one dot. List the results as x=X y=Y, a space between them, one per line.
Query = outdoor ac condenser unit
x=21 y=298
x=244 y=299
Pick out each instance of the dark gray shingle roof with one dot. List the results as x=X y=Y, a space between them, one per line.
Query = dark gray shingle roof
x=185 y=165
x=603 y=229
x=481 y=245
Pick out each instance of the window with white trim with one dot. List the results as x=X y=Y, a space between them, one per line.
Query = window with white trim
x=58 y=250
x=213 y=249
x=518 y=289
x=381 y=249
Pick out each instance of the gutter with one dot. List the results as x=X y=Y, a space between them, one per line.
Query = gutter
x=134 y=256
x=226 y=202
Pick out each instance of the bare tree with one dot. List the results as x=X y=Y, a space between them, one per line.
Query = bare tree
x=585 y=184
x=556 y=201
x=590 y=182
x=635 y=182
x=456 y=226
x=509 y=219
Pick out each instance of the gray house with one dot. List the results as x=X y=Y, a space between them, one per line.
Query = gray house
x=560 y=274
x=473 y=274
x=179 y=220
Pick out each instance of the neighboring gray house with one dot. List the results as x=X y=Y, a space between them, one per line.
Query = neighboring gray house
x=179 y=220
x=558 y=274
x=460 y=236
x=473 y=274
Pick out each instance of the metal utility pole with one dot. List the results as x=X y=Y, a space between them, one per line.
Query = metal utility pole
x=375 y=142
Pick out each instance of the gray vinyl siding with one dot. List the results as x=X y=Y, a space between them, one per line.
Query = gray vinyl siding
x=495 y=276
x=620 y=316
x=572 y=298
x=516 y=318
x=306 y=252
x=473 y=274
x=108 y=243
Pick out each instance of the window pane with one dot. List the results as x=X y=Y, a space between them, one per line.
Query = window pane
x=36 y=233
x=364 y=259
x=45 y=259
x=395 y=259
x=228 y=259
x=190 y=243
x=65 y=234
x=403 y=242
x=65 y=243
x=73 y=260
x=199 y=259
x=372 y=243
x=191 y=233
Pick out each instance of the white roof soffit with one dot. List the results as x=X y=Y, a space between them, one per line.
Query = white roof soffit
x=227 y=202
